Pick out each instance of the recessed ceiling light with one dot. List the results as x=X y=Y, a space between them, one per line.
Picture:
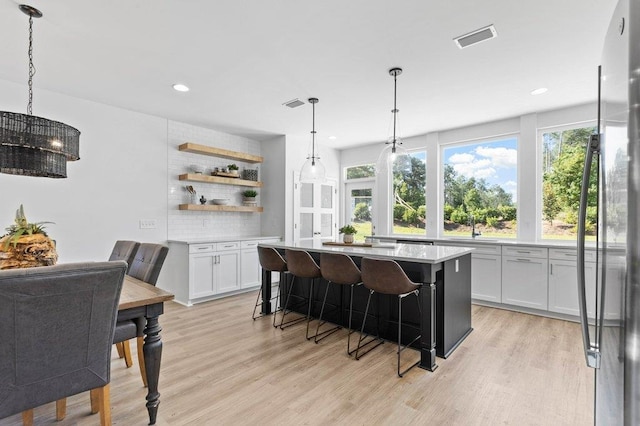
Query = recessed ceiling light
x=539 y=91
x=180 y=87
x=333 y=138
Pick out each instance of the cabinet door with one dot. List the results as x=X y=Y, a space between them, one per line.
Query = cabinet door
x=524 y=281
x=563 y=287
x=227 y=271
x=201 y=275
x=486 y=277
x=250 y=268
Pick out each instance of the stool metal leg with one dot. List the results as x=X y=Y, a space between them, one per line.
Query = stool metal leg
x=363 y=336
x=309 y=308
x=351 y=330
x=400 y=347
x=330 y=331
x=283 y=324
x=257 y=304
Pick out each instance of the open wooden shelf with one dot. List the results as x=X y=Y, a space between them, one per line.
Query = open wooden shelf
x=219 y=152
x=215 y=208
x=193 y=177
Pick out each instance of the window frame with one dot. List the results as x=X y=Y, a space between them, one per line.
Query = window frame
x=539 y=174
x=478 y=141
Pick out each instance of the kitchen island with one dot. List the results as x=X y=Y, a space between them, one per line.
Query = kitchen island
x=445 y=295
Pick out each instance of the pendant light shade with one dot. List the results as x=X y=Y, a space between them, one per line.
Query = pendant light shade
x=35 y=146
x=393 y=149
x=313 y=171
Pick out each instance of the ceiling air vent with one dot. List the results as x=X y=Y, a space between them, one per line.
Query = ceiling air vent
x=293 y=103
x=476 y=36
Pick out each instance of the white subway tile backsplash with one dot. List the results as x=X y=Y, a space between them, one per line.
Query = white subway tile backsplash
x=190 y=224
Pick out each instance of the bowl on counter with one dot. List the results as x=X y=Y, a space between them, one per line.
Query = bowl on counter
x=220 y=201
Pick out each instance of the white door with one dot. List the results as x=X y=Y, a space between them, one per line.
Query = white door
x=315 y=210
x=358 y=209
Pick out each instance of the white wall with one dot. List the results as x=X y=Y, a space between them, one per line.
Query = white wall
x=526 y=127
x=121 y=177
x=274 y=194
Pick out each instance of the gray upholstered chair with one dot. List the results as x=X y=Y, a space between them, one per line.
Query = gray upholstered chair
x=57 y=331
x=145 y=266
x=124 y=250
x=387 y=277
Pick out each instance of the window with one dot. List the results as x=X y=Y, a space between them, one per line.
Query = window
x=409 y=180
x=480 y=188
x=563 y=153
x=364 y=171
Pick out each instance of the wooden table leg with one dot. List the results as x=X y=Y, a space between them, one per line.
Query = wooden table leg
x=152 y=355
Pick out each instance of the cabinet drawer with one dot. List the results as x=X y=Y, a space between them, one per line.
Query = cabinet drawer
x=249 y=244
x=537 y=252
x=201 y=248
x=571 y=254
x=231 y=245
x=486 y=249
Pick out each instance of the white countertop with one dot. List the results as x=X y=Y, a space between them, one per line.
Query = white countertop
x=205 y=240
x=485 y=241
x=400 y=252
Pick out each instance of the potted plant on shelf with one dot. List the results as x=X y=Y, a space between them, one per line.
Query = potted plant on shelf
x=348 y=232
x=249 y=197
x=233 y=169
x=26 y=245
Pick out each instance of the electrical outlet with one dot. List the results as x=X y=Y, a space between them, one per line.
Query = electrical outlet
x=147 y=224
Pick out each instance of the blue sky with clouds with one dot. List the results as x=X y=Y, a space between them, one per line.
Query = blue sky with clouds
x=494 y=161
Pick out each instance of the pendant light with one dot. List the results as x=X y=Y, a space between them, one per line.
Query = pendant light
x=35 y=146
x=313 y=170
x=393 y=149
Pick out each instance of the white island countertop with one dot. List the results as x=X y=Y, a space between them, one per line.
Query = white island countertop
x=399 y=252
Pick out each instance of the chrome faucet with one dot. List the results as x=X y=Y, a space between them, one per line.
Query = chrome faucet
x=472 y=222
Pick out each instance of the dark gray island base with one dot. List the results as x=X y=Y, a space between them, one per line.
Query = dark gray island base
x=444 y=319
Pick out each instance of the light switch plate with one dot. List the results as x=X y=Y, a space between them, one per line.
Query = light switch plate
x=147 y=224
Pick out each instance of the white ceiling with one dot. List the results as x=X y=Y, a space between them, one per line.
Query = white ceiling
x=244 y=58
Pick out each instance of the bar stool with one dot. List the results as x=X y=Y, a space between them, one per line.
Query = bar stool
x=301 y=265
x=270 y=260
x=387 y=277
x=337 y=268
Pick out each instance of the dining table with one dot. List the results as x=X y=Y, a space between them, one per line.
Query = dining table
x=139 y=299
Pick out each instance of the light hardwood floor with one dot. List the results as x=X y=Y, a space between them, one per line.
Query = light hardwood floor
x=221 y=368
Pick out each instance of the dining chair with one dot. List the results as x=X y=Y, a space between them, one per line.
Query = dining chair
x=385 y=276
x=57 y=332
x=124 y=250
x=145 y=266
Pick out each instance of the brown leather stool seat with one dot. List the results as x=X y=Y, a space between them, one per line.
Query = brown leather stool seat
x=301 y=265
x=337 y=268
x=270 y=260
x=387 y=277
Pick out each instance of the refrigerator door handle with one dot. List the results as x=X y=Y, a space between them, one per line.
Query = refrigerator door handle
x=591 y=349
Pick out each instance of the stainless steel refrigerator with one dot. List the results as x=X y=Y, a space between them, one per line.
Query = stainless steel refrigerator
x=612 y=335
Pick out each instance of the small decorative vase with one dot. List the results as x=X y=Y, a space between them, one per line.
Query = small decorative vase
x=249 y=201
x=347 y=238
x=28 y=252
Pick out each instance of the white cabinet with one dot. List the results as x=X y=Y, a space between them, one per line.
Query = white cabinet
x=213 y=269
x=563 y=281
x=486 y=274
x=486 y=271
x=524 y=276
x=250 y=270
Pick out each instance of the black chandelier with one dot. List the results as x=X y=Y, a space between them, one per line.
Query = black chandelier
x=35 y=146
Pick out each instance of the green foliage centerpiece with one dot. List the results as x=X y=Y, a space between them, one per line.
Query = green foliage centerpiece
x=348 y=232
x=26 y=245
